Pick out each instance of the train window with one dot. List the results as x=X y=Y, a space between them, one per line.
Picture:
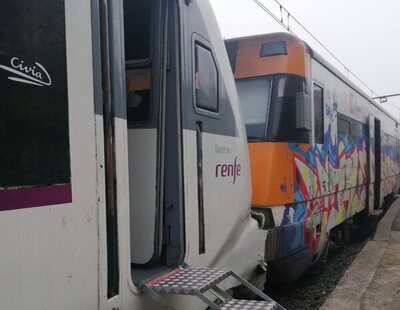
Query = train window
x=356 y=130
x=318 y=114
x=350 y=128
x=206 y=79
x=254 y=96
x=273 y=49
x=138 y=37
x=389 y=145
x=138 y=96
x=343 y=125
x=282 y=115
x=137 y=24
x=398 y=151
x=34 y=124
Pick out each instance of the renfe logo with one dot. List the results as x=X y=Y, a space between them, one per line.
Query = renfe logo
x=34 y=75
x=228 y=170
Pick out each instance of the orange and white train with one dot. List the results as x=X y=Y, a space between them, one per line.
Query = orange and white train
x=321 y=150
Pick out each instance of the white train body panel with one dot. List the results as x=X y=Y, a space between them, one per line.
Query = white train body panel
x=49 y=257
x=56 y=256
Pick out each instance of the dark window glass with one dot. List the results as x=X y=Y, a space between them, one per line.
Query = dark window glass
x=398 y=151
x=343 y=125
x=206 y=80
x=356 y=130
x=34 y=134
x=137 y=19
x=318 y=114
x=254 y=96
x=389 y=144
x=282 y=116
x=351 y=129
x=273 y=49
x=139 y=106
x=138 y=38
x=138 y=96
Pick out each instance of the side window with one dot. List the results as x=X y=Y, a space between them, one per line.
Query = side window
x=282 y=111
x=343 y=126
x=356 y=131
x=318 y=114
x=34 y=124
x=352 y=129
x=398 y=151
x=138 y=96
x=137 y=12
x=139 y=67
x=206 y=80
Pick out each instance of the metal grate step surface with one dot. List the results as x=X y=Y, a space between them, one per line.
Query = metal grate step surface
x=188 y=281
x=238 y=304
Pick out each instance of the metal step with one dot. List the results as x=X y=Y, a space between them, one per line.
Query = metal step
x=186 y=280
x=239 y=304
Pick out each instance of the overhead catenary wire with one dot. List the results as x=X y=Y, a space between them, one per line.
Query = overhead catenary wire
x=289 y=29
x=280 y=21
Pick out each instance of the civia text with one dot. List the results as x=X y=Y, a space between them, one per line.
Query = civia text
x=228 y=170
x=29 y=74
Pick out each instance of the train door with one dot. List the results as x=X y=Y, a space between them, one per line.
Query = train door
x=137 y=98
x=374 y=163
x=378 y=164
x=144 y=118
x=153 y=107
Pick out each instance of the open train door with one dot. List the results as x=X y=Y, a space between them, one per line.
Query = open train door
x=374 y=163
x=198 y=118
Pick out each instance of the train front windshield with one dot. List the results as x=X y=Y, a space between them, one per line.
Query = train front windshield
x=269 y=108
x=254 y=96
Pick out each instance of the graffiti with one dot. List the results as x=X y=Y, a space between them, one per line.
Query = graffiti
x=332 y=180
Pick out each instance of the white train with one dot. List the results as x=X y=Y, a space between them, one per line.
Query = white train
x=123 y=157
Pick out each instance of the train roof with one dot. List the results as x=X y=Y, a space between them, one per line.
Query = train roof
x=315 y=55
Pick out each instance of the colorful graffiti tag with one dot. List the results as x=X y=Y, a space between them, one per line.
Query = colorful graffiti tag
x=331 y=181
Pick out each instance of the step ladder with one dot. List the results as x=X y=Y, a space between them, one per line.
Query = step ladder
x=186 y=280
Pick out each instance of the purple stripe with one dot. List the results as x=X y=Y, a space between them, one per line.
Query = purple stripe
x=35 y=197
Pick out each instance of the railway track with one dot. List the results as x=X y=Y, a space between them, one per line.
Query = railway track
x=311 y=290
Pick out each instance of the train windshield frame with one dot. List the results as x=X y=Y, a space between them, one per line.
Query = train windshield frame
x=270 y=113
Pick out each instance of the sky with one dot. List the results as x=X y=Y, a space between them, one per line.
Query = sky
x=363 y=34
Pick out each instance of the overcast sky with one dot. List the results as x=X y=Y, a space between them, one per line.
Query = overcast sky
x=363 y=34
